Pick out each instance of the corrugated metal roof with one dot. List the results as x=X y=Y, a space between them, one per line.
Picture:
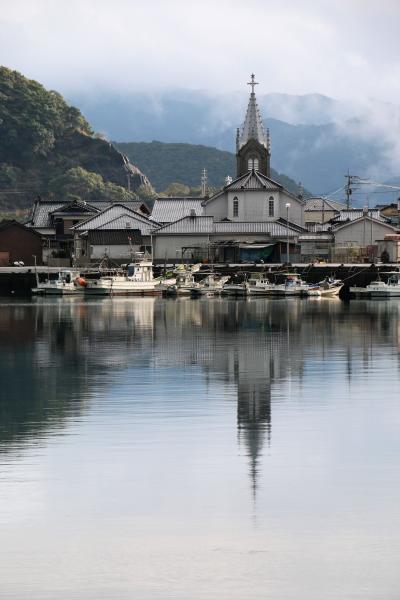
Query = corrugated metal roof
x=200 y=225
x=114 y=216
x=117 y=237
x=41 y=210
x=167 y=210
x=323 y=204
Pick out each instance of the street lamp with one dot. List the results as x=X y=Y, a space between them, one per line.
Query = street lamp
x=287 y=231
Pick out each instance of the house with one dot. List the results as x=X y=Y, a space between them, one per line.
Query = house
x=352 y=236
x=55 y=222
x=116 y=218
x=116 y=244
x=321 y=210
x=19 y=243
x=204 y=239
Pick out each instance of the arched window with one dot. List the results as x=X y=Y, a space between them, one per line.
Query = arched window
x=235 y=211
x=271 y=207
x=252 y=163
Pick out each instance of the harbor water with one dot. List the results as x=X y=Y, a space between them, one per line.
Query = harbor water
x=197 y=449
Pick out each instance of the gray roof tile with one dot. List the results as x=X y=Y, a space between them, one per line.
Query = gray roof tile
x=167 y=210
x=201 y=225
x=42 y=209
x=115 y=217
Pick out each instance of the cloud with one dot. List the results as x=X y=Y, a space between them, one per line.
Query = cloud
x=338 y=49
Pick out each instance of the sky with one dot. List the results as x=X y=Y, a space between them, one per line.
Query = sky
x=344 y=49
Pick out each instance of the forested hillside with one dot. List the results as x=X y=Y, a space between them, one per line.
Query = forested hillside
x=47 y=148
x=183 y=163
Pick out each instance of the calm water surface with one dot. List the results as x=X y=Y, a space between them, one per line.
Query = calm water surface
x=199 y=449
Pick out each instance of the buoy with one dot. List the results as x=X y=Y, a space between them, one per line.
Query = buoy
x=81 y=281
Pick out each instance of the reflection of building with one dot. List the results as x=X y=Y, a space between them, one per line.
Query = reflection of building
x=65 y=353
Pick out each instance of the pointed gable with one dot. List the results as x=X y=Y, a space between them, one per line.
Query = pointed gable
x=115 y=217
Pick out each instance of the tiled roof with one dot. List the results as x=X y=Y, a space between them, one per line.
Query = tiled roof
x=188 y=225
x=323 y=204
x=268 y=227
x=253 y=180
x=355 y=213
x=146 y=226
x=206 y=225
x=384 y=222
x=114 y=216
x=167 y=210
x=315 y=237
x=42 y=209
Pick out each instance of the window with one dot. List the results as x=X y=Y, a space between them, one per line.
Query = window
x=235 y=211
x=252 y=163
x=271 y=207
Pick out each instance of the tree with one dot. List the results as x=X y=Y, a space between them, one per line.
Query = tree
x=79 y=183
x=177 y=189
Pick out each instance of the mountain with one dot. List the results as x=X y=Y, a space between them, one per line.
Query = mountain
x=48 y=148
x=183 y=163
x=315 y=139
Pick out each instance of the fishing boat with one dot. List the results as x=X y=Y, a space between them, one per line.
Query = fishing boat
x=184 y=281
x=379 y=288
x=212 y=285
x=67 y=283
x=329 y=287
x=260 y=286
x=136 y=280
x=236 y=289
x=292 y=286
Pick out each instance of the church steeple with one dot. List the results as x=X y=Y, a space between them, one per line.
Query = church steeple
x=252 y=143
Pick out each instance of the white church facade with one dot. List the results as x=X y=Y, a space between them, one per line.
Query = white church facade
x=252 y=218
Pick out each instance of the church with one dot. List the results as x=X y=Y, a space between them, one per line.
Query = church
x=251 y=219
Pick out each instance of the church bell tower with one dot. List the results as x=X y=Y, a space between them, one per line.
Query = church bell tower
x=253 y=150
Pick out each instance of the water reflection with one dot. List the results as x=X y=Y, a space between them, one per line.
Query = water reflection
x=57 y=355
x=140 y=437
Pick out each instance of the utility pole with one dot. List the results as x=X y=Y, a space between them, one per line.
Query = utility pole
x=349 y=187
x=204 y=183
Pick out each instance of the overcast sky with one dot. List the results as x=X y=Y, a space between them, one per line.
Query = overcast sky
x=344 y=49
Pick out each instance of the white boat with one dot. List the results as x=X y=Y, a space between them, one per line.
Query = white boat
x=66 y=284
x=184 y=281
x=236 y=289
x=379 y=288
x=329 y=287
x=292 y=286
x=212 y=285
x=260 y=287
x=137 y=280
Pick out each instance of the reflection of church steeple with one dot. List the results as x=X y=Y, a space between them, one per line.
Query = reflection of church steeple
x=254 y=420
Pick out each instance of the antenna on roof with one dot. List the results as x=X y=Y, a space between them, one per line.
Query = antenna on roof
x=204 y=183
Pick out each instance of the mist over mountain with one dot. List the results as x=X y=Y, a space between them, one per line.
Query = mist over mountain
x=315 y=139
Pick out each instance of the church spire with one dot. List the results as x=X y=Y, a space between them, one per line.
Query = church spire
x=253 y=147
x=253 y=128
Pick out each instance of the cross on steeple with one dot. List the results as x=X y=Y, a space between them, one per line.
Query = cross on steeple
x=253 y=83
